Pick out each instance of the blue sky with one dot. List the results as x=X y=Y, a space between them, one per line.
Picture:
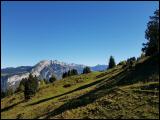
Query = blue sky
x=74 y=32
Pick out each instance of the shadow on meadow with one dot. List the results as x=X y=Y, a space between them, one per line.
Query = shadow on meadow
x=77 y=89
x=106 y=87
x=10 y=107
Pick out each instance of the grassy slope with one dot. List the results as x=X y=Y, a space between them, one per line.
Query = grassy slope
x=116 y=93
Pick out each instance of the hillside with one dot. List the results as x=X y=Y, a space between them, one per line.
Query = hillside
x=11 y=77
x=115 y=93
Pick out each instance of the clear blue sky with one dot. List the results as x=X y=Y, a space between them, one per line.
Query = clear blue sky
x=74 y=32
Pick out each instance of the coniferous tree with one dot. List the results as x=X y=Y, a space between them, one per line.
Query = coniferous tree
x=111 y=62
x=152 y=35
x=31 y=86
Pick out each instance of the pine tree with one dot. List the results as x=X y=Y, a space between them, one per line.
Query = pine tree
x=31 y=86
x=111 y=62
x=152 y=35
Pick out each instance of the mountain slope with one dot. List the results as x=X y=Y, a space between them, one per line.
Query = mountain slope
x=18 y=70
x=11 y=77
x=116 y=93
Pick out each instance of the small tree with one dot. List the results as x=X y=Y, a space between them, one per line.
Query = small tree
x=111 y=62
x=52 y=79
x=86 y=70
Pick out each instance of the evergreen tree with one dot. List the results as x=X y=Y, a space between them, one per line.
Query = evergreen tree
x=31 y=86
x=111 y=62
x=152 y=35
x=86 y=70
x=52 y=79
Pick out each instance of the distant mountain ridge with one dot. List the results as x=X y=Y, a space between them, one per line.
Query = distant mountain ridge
x=11 y=77
x=99 y=67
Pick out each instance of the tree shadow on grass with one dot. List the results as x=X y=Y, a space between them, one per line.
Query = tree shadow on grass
x=104 y=87
x=10 y=107
x=89 y=97
x=77 y=89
